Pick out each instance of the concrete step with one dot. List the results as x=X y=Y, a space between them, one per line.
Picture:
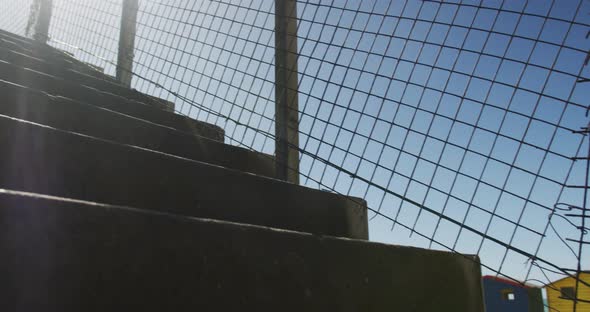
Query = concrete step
x=44 y=51
x=7 y=34
x=80 y=73
x=40 y=52
x=44 y=58
x=15 y=55
x=64 y=69
x=72 y=90
x=61 y=113
x=23 y=45
x=63 y=255
x=48 y=161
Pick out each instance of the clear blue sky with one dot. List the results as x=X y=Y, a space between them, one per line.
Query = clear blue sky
x=464 y=110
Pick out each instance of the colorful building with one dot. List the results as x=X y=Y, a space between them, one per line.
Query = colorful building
x=503 y=295
x=560 y=293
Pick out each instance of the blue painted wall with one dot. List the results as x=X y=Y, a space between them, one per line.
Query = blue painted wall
x=495 y=301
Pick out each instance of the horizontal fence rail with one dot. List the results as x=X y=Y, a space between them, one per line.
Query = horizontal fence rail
x=461 y=123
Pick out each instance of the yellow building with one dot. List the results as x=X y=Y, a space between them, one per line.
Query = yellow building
x=560 y=290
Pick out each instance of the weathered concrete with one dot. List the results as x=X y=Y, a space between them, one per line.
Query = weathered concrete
x=34 y=48
x=55 y=67
x=53 y=56
x=29 y=58
x=21 y=52
x=48 y=161
x=286 y=91
x=39 y=20
x=59 y=255
x=162 y=104
x=129 y=10
x=69 y=89
x=46 y=51
x=61 y=113
x=12 y=36
x=67 y=255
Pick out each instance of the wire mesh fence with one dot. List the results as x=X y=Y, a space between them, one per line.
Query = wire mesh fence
x=457 y=121
x=15 y=15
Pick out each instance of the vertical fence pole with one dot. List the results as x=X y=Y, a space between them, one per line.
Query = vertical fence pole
x=39 y=20
x=286 y=91
x=127 y=41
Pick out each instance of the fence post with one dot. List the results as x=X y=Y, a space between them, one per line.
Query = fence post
x=286 y=91
x=39 y=20
x=127 y=41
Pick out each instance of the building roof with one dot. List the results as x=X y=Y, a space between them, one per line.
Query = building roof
x=583 y=273
x=509 y=281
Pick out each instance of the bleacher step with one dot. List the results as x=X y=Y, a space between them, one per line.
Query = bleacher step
x=61 y=113
x=61 y=87
x=44 y=160
x=55 y=67
x=63 y=255
x=33 y=48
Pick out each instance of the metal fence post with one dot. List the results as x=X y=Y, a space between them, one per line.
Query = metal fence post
x=127 y=41
x=39 y=20
x=286 y=91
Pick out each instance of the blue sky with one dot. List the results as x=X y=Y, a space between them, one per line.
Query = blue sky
x=465 y=109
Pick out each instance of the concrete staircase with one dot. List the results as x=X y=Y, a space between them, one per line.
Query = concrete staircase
x=111 y=202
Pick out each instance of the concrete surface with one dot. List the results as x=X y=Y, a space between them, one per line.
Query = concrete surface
x=44 y=160
x=60 y=255
x=61 y=113
x=54 y=66
x=62 y=87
